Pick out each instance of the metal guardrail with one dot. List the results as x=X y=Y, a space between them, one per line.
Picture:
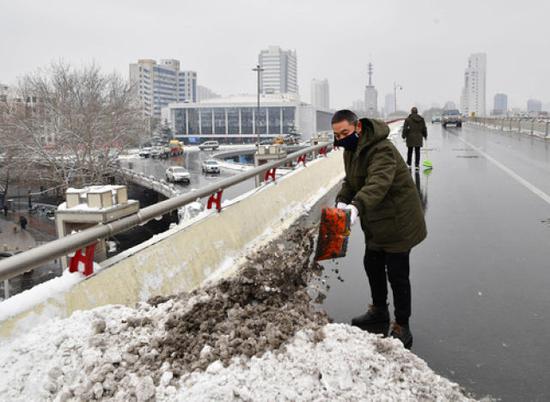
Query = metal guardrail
x=160 y=186
x=28 y=260
x=530 y=125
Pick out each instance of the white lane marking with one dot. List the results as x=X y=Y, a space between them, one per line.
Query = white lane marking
x=534 y=189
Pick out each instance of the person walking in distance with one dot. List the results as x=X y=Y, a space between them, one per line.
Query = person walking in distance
x=378 y=188
x=414 y=131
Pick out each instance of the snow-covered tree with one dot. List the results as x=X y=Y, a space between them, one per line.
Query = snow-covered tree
x=73 y=125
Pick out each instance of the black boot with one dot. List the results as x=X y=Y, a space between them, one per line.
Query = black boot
x=403 y=333
x=374 y=315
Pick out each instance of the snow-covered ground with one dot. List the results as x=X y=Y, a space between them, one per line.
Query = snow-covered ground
x=253 y=336
x=64 y=360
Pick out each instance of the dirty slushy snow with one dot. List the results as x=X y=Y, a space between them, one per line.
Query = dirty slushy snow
x=254 y=336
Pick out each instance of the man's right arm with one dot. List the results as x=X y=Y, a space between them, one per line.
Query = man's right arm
x=346 y=193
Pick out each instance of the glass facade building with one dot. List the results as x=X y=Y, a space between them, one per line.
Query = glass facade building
x=235 y=120
x=228 y=120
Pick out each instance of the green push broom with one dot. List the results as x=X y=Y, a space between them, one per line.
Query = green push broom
x=427 y=162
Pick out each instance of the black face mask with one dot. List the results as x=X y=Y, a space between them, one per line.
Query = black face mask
x=349 y=143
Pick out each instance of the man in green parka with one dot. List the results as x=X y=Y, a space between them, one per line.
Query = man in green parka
x=378 y=189
x=414 y=131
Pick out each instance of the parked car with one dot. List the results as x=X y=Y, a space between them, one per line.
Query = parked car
x=177 y=174
x=436 y=119
x=213 y=145
x=452 y=116
x=210 y=166
x=160 y=152
x=145 y=152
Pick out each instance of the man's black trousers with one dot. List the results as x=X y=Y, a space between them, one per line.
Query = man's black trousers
x=381 y=267
x=416 y=155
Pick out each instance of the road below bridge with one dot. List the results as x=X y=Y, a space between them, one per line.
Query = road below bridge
x=191 y=160
x=481 y=279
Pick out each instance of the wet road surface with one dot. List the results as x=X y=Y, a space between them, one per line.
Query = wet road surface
x=192 y=161
x=481 y=280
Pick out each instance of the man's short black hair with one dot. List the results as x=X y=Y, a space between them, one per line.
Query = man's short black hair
x=344 y=114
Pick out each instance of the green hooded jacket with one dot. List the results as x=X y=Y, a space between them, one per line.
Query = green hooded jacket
x=379 y=184
x=414 y=129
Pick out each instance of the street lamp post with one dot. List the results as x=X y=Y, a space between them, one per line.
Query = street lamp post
x=396 y=86
x=259 y=70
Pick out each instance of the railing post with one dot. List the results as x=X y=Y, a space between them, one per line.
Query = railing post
x=270 y=173
x=215 y=199
x=6 y=288
x=546 y=129
x=87 y=259
x=532 y=126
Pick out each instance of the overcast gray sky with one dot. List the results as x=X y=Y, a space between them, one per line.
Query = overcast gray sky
x=423 y=44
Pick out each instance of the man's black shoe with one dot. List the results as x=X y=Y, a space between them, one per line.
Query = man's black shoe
x=403 y=333
x=374 y=315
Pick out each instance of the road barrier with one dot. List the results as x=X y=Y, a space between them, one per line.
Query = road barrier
x=531 y=125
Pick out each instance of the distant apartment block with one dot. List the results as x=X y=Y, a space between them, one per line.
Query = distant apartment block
x=500 y=105
x=534 y=106
x=158 y=84
x=473 y=92
x=204 y=93
x=280 y=71
x=320 y=95
x=389 y=104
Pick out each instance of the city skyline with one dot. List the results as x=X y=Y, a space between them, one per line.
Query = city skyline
x=431 y=74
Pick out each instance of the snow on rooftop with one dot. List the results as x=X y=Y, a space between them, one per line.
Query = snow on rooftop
x=244 y=99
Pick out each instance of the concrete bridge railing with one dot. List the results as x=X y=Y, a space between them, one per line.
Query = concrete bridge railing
x=530 y=125
x=183 y=258
x=150 y=182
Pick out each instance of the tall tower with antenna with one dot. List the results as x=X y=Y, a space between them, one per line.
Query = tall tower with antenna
x=371 y=95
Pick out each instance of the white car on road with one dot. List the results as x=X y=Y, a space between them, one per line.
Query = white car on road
x=177 y=174
x=213 y=145
x=210 y=166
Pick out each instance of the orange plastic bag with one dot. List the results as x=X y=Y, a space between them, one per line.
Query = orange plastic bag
x=334 y=231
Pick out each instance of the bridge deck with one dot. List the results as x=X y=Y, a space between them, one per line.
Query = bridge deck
x=480 y=280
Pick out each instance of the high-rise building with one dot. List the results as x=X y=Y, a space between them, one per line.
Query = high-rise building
x=158 y=84
x=371 y=96
x=358 y=106
x=389 y=104
x=204 y=93
x=320 y=94
x=534 y=106
x=500 y=105
x=473 y=94
x=280 y=71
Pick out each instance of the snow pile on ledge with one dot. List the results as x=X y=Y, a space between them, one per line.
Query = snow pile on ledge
x=347 y=364
x=254 y=336
x=338 y=362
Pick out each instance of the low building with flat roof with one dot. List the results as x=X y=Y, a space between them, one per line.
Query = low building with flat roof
x=237 y=119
